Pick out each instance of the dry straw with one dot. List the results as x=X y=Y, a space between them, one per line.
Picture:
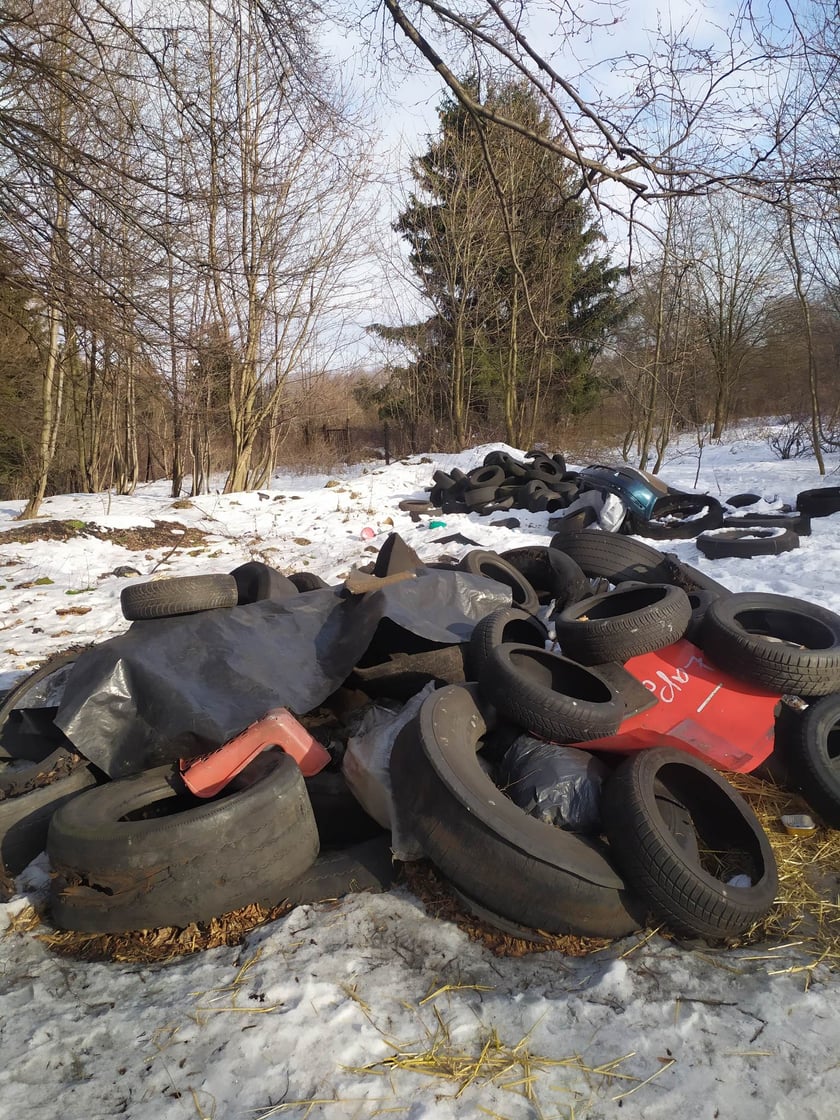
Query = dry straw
x=806 y=914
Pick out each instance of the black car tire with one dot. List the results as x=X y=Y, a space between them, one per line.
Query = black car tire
x=783 y=644
x=492 y=476
x=480 y=496
x=614 y=557
x=508 y=624
x=546 y=470
x=536 y=495
x=623 y=623
x=746 y=543
x=490 y=564
x=800 y=523
x=444 y=480
x=699 y=601
x=691 y=896
x=738 y=501
x=25 y=819
x=550 y=695
x=512 y=467
x=524 y=870
x=498 y=506
x=821 y=502
x=142 y=852
x=26 y=727
x=553 y=575
x=418 y=505
x=811 y=756
x=164 y=598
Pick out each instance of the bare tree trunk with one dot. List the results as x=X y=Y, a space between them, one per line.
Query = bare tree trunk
x=131 y=469
x=802 y=297
x=512 y=426
x=53 y=389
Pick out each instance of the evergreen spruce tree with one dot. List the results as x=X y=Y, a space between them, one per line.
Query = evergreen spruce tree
x=504 y=242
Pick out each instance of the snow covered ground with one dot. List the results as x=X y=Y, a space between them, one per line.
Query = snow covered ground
x=337 y=1009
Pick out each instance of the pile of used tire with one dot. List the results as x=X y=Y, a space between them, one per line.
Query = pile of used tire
x=672 y=838
x=538 y=482
x=541 y=482
x=143 y=851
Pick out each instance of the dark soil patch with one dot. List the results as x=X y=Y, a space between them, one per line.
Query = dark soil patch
x=161 y=534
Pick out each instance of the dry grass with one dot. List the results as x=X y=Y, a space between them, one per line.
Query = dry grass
x=435 y=894
x=513 y=1067
x=147 y=945
x=807 y=908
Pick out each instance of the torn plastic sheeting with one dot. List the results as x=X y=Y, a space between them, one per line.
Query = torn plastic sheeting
x=179 y=687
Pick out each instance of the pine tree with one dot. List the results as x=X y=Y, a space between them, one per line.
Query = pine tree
x=504 y=243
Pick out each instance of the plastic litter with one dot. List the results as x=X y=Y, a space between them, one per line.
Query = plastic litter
x=175 y=688
x=278 y=728
x=366 y=767
x=798 y=824
x=367 y=533
x=555 y=784
x=608 y=508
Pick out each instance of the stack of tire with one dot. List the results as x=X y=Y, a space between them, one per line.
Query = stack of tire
x=539 y=482
x=143 y=852
x=777 y=642
x=661 y=809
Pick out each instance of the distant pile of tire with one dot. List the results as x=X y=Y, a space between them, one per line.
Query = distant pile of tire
x=662 y=809
x=746 y=535
x=749 y=535
x=538 y=482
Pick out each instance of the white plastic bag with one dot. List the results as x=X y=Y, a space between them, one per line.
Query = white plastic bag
x=609 y=508
x=366 y=763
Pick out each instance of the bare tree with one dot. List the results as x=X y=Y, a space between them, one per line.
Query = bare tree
x=717 y=93
x=733 y=249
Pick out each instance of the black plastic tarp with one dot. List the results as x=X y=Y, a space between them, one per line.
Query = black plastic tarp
x=180 y=687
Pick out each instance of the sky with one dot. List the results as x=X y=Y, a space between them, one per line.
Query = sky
x=318 y=1014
